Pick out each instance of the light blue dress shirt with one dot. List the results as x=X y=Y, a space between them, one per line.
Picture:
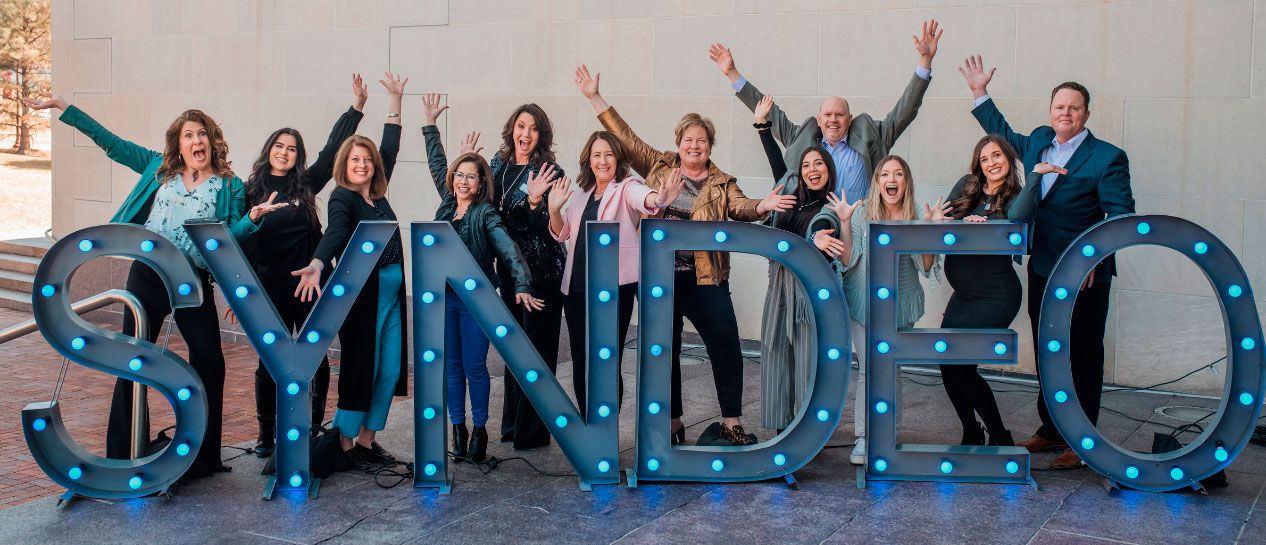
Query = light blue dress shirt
x=1056 y=154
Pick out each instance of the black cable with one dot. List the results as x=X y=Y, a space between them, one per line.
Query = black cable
x=1168 y=382
x=488 y=465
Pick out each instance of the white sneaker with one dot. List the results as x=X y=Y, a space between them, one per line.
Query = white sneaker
x=859 y=452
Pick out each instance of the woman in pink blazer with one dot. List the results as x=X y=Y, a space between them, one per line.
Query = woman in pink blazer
x=606 y=192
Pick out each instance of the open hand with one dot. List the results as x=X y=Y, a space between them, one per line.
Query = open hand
x=309 y=281
x=432 y=108
x=973 y=70
x=559 y=192
x=530 y=303
x=825 y=241
x=926 y=42
x=54 y=101
x=763 y=108
x=724 y=59
x=1047 y=168
x=773 y=202
x=842 y=209
x=393 y=84
x=539 y=183
x=470 y=144
x=670 y=188
x=360 y=91
x=938 y=212
x=587 y=84
x=260 y=209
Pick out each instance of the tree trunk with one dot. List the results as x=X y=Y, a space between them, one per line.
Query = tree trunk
x=22 y=144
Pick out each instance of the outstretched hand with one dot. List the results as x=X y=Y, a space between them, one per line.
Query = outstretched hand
x=259 y=210
x=926 y=42
x=670 y=188
x=393 y=84
x=53 y=101
x=470 y=144
x=360 y=91
x=842 y=209
x=773 y=202
x=539 y=183
x=309 y=287
x=763 y=108
x=1047 y=168
x=559 y=192
x=724 y=60
x=938 y=212
x=826 y=241
x=587 y=84
x=431 y=107
x=973 y=70
x=530 y=303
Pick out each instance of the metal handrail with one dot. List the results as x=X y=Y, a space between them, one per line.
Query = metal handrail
x=89 y=304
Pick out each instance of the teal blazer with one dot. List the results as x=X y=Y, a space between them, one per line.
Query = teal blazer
x=230 y=206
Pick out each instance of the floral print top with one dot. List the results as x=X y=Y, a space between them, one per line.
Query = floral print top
x=173 y=206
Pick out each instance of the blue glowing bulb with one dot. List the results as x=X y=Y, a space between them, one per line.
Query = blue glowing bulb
x=833 y=353
x=241 y=292
x=949 y=239
x=604 y=239
x=78 y=343
x=881 y=407
x=882 y=347
x=184 y=394
x=338 y=290
x=1132 y=472
x=1176 y=474
x=824 y=294
x=470 y=284
x=657 y=291
x=85 y=245
x=784 y=246
x=883 y=239
x=780 y=460
x=1012 y=467
x=604 y=410
x=1000 y=348
x=653 y=408
x=532 y=376
x=1088 y=250
x=184 y=289
x=652 y=464
x=135 y=482
x=430 y=470
x=211 y=245
x=147 y=246
x=367 y=247
x=1246 y=398
x=428 y=297
x=823 y=415
x=1061 y=396
x=428 y=240
x=270 y=337
x=1221 y=454
x=720 y=236
x=881 y=465
x=1200 y=248
x=314 y=337
x=604 y=296
x=1144 y=228
x=428 y=413
x=1015 y=239
x=657 y=234
x=182 y=449
x=604 y=353
x=502 y=330
x=604 y=466
x=1235 y=290
x=656 y=349
x=47 y=290
x=39 y=424
x=296 y=480
x=1053 y=346
x=717 y=464
x=1248 y=343
x=134 y=364
x=883 y=293
x=940 y=346
x=292 y=388
x=1087 y=443
x=947 y=467
x=75 y=473
x=1061 y=293
x=561 y=421
x=292 y=434
x=428 y=355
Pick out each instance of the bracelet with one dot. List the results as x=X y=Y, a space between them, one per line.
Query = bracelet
x=393 y=114
x=764 y=125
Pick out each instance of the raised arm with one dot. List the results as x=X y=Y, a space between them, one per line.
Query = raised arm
x=773 y=153
x=907 y=107
x=784 y=130
x=321 y=170
x=121 y=151
x=641 y=154
x=985 y=111
x=436 y=160
x=390 y=145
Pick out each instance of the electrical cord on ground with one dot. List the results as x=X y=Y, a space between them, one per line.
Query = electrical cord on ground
x=492 y=462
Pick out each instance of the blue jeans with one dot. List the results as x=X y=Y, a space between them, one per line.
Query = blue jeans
x=465 y=361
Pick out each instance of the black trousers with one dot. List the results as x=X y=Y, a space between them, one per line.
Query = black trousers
x=711 y=311
x=992 y=305
x=574 y=306
x=200 y=327
x=280 y=288
x=520 y=424
x=1090 y=316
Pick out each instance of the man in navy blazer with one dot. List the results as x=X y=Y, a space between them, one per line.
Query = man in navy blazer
x=1093 y=183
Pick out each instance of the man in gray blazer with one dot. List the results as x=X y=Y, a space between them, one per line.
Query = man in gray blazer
x=855 y=144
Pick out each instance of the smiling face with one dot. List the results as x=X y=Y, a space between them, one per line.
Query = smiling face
x=525 y=136
x=813 y=170
x=466 y=181
x=283 y=154
x=1068 y=114
x=694 y=148
x=834 y=119
x=994 y=163
x=195 y=145
x=360 y=166
x=602 y=161
x=891 y=182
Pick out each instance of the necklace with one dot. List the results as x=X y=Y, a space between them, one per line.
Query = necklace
x=809 y=204
x=506 y=189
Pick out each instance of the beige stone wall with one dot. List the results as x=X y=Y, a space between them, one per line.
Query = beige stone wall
x=1178 y=85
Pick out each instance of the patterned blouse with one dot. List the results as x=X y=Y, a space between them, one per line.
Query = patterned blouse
x=173 y=206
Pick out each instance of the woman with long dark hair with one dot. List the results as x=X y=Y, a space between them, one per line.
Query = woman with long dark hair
x=286 y=241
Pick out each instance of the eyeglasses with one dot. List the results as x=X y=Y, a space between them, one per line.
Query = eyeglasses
x=458 y=176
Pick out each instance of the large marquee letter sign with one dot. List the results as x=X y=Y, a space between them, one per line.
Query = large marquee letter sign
x=1241 y=405
x=889 y=347
x=657 y=460
x=65 y=462
x=440 y=261
x=291 y=357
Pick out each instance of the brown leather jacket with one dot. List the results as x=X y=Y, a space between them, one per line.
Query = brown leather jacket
x=720 y=197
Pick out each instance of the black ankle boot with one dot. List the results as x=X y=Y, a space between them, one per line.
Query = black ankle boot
x=973 y=434
x=1001 y=439
x=267 y=436
x=460 y=437
x=479 y=444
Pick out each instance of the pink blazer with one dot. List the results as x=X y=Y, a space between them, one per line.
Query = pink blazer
x=623 y=202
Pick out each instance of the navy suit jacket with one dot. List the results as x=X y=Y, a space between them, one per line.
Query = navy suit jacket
x=1097 y=186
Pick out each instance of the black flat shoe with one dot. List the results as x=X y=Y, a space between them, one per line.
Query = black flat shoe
x=678 y=437
x=356 y=458
x=973 y=435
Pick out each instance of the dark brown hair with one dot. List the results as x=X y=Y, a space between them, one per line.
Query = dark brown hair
x=544 y=150
x=974 y=187
x=1085 y=93
x=296 y=187
x=586 y=180
x=173 y=163
x=484 y=194
x=377 y=184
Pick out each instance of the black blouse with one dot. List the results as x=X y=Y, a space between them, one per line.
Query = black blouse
x=347 y=209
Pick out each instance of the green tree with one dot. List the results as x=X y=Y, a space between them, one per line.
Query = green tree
x=25 y=64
